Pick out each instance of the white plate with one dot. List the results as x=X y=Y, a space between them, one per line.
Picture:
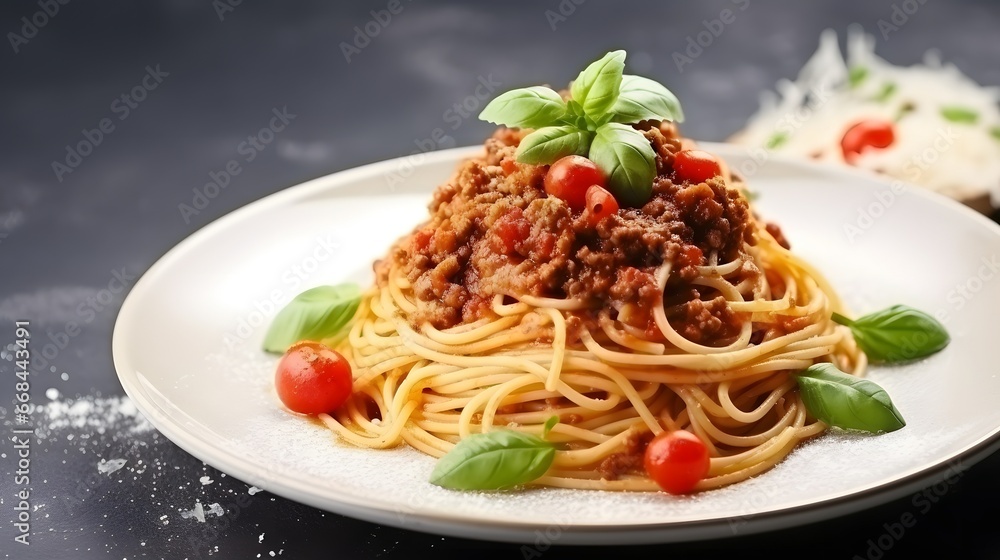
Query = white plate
x=187 y=338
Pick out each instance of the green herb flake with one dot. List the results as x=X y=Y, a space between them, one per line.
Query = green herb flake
x=776 y=140
x=885 y=93
x=856 y=75
x=957 y=114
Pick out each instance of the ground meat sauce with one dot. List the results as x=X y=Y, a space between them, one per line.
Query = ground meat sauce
x=494 y=230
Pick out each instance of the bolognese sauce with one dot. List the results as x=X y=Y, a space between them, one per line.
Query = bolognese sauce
x=493 y=230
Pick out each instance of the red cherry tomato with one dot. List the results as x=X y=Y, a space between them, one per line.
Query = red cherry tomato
x=312 y=378
x=570 y=177
x=696 y=166
x=600 y=204
x=677 y=461
x=870 y=133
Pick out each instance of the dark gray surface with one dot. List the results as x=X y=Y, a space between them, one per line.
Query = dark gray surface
x=62 y=241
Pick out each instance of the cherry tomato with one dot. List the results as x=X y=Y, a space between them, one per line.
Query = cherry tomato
x=696 y=166
x=677 y=461
x=570 y=177
x=870 y=133
x=312 y=378
x=600 y=204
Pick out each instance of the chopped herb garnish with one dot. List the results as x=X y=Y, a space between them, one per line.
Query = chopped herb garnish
x=887 y=90
x=776 y=140
x=960 y=114
x=856 y=75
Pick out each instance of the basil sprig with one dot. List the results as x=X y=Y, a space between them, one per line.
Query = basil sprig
x=845 y=401
x=592 y=123
x=315 y=314
x=494 y=460
x=897 y=334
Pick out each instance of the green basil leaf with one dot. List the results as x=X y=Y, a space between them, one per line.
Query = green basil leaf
x=532 y=107
x=494 y=460
x=897 y=334
x=643 y=99
x=846 y=401
x=995 y=132
x=574 y=116
x=776 y=140
x=546 y=145
x=597 y=87
x=856 y=75
x=960 y=114
x=627 y=160
x=549 y=424
x=315 y=314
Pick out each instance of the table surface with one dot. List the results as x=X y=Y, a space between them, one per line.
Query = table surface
x=203 y=76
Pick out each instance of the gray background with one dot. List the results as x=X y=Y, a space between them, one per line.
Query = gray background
x=61 y=240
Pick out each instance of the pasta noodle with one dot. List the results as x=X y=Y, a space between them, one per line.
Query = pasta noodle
x=610 y=383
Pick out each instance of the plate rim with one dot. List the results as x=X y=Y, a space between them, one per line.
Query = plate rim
x=442 y=523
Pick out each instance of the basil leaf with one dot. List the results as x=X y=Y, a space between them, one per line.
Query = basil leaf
x=627 y=160
x=494 y=460
x=315 y=314
x=845 y=401
x=548 y=144
x=897 y=334
x=995 y=132
x=532 y=107
x=960 y=114
x=643 y=99
x=549 y=424
x=856 y=75
x=597 y=87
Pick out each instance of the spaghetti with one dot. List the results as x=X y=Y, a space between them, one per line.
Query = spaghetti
x=704 y=339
